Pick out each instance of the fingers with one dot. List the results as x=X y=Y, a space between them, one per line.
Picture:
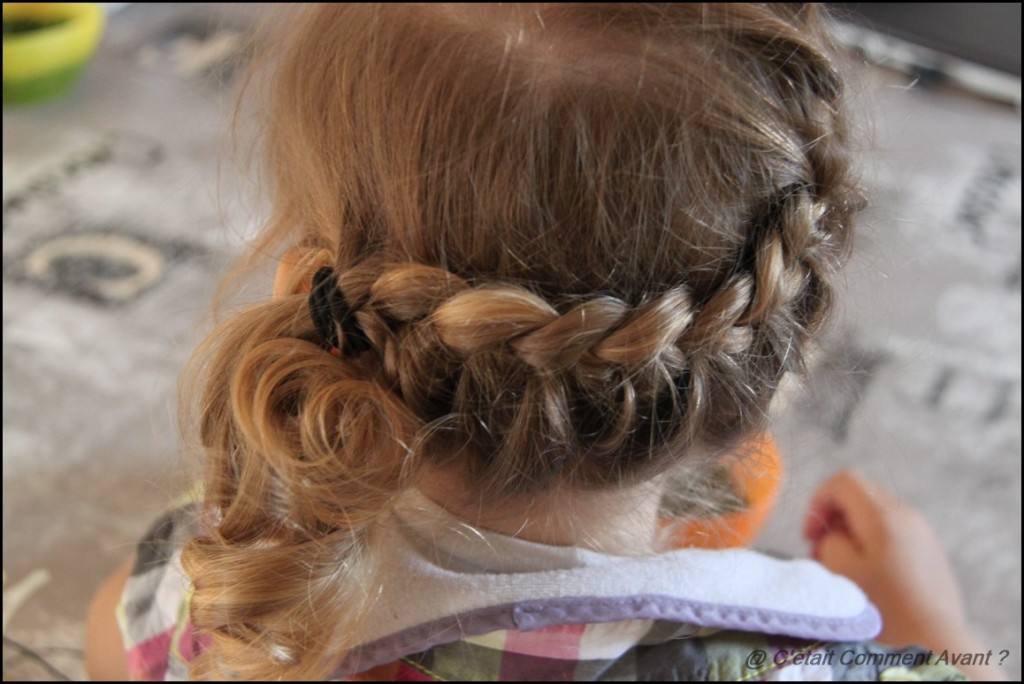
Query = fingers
x=824 y=517
x=840 y=554
x=851 y=504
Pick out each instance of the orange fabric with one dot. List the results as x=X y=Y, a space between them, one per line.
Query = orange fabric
x=757 y=478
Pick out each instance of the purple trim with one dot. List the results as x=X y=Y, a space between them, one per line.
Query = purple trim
x=531 y=615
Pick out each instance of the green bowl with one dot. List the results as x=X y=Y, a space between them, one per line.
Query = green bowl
x=46 y=47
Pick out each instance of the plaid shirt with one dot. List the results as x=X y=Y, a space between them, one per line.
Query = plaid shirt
x=629 y=643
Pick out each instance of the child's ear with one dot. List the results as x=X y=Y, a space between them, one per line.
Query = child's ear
x=283 y=283
x=293 y=274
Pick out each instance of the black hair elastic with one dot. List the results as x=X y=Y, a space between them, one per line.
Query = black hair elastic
x=329 y=311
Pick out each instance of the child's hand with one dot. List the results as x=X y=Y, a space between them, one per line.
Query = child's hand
x=862 y=530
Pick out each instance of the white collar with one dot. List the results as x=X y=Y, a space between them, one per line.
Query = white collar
x=442 y=580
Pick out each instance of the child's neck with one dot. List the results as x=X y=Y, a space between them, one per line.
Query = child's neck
x=619 y=522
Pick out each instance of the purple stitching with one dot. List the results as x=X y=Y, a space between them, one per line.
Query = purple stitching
x=531 y=615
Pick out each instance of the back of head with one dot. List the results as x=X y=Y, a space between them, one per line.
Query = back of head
x=586 y=242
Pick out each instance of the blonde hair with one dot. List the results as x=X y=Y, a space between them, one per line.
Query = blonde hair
x=586 y=242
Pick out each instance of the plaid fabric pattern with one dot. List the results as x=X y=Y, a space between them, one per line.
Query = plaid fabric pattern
x=556 y=654
x=153 y=611
x=159 y=642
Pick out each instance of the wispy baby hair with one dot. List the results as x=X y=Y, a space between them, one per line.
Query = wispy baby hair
x=584 y=243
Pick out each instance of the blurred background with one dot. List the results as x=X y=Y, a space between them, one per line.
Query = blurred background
x=122 y=206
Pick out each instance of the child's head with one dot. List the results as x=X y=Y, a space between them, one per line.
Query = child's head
x=585 y=243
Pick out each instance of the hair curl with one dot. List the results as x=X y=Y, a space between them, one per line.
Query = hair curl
x=585 y=241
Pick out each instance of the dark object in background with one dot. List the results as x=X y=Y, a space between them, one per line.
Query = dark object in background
x=986 y=33
x=16 y=26
x=976 y=46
